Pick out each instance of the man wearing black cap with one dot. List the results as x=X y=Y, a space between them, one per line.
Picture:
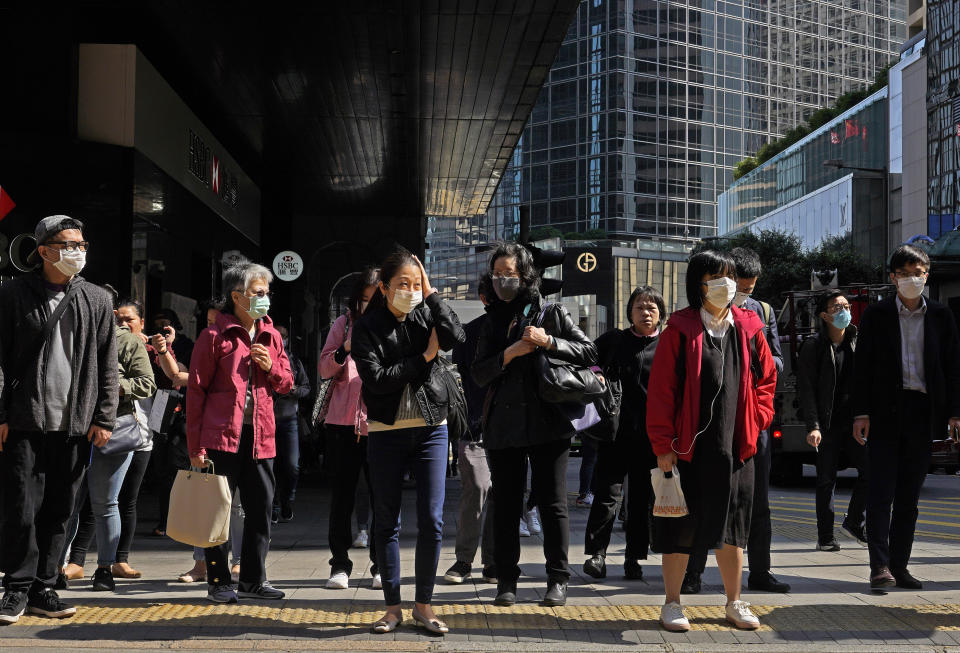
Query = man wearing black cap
x=58 y=395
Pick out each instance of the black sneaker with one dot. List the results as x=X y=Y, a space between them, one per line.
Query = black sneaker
x=632 y=569
x=103 y=580
x=691 y=583
x=62 y=582
x=856 y=531
x=490 y=574
x=221 y=594
x=595 y=566
x=286 y=514
x=12 y=606
x=459 y=572
x=48 y=604
x=828 y=545
x=556 y=593
x=275 y=517
x=262 y=590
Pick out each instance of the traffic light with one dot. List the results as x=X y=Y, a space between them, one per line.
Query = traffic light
x=544 y=260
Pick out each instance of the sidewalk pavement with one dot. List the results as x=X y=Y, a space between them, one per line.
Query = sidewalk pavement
x=829 y=609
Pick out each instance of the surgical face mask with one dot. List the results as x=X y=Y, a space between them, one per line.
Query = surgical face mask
x=407 y=300
x=720 y=292
x=259 y=307
x=911 y=287
x=507 y=288
x=740 y=298
x=841 y=320
x=71 y=263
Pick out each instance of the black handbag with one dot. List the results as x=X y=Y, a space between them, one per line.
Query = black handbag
x=564 y=382
x=608 y=405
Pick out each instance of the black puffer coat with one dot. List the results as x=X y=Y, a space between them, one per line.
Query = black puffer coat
x=514 y=414
x=389 y=356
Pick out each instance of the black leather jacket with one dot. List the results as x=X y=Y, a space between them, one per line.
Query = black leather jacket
x=514 y=414
x=389 y=356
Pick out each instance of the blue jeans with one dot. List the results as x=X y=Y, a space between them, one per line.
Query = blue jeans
x=424 y=451
x=105 y=478
x=286 y=466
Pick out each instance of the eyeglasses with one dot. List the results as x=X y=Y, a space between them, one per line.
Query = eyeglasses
x=839 y=307
x=70 y=245
x=903 y=274
x=506 y=276
x=258 y=293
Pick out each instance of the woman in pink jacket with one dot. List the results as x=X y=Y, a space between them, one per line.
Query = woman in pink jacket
x=346 y=422
x=236 y=366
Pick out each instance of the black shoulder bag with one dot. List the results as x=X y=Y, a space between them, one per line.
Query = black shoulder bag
x=31 y=352
x=563 y=382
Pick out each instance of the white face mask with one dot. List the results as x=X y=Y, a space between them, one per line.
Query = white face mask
x=71 y=263
x=911 y=287
x=720 y=292
x=363 y=306
x=407 y=300
x=740 y=298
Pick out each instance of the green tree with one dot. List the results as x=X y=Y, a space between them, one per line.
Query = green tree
x=542 y=233
x=744 y=166
x=784 y=262
x=838 y=253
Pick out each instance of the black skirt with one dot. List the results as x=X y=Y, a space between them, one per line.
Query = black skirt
x=718 y=488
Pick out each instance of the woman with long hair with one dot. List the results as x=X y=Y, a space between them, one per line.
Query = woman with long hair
x=710 y=394
x=395 y=346
x=519 y=424
x=346 y=422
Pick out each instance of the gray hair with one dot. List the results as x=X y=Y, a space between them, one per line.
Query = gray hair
x=239 y=276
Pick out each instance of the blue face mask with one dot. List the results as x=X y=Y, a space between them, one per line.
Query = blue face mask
x=842 y=319
x=259 y=307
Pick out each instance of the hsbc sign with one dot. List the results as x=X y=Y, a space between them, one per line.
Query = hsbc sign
x=211 y=171
x=288 y=265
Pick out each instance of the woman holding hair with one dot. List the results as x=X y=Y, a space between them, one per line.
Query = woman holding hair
x=519 y=424
x=710 y=394
x=627 y=356
x=236 y=366
x=395 y=346
x=346 y=422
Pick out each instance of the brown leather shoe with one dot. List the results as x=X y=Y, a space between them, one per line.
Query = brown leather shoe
x=881 y=577
x=123 y=570
x=906 y=580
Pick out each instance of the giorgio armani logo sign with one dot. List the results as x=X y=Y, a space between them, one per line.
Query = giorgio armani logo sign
x=212 y=172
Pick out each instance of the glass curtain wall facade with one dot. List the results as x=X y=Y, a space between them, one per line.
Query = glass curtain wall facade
x=943 y=116
x=650 y=104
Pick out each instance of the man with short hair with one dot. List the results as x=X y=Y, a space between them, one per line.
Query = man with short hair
x=824 y=385
x=475 y=520
x=58 y=396
x=749 y=269
x=906 y=390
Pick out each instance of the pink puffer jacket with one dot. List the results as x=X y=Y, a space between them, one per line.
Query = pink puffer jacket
x=346 y=404
x=217 y=389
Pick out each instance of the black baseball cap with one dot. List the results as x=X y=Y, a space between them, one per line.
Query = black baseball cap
x=47 y=228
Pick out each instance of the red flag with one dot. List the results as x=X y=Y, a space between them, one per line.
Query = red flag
x=6 y=204
x=852 y=128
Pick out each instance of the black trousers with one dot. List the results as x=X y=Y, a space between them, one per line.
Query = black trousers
x=40 y=474
x=836 y=442
x=170 y=455
x=548 y=465
x=761 y=531
x=256 y=482
x=899 y=458
x=349 y=458
x=628 y=455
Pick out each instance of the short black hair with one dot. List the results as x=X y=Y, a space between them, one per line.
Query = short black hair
x=216 y=303
x=709 y=261
x=748 y=263
x=529 y=277
x=168 y=314
x=647 y=293
x=824 y=300
x=368 y=276
x=137 y=306
x=906 y=254
x=400 y=257
x=485 y=287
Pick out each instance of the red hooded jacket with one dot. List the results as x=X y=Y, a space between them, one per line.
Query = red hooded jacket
x=217 y=389
x=673 y=412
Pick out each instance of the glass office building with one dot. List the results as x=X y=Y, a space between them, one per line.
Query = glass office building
x=943 y=116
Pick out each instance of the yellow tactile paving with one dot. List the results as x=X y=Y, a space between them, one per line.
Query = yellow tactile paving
x=480 y=616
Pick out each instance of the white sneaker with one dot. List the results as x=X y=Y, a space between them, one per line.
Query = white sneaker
x=533 y=521
x=362 y=541
x=673 y=619
x=524 y=531
x=377 y=582
x=338 y=581
x=738 y=613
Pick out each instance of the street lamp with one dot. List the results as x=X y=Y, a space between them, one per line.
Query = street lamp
x=838 y=164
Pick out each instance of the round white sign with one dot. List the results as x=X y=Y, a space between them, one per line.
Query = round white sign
x=287 y=265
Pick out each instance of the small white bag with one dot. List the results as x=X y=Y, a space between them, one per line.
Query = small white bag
x=669 y=495
x=199 y=513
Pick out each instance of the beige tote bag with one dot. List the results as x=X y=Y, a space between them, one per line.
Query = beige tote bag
x=199 y=508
